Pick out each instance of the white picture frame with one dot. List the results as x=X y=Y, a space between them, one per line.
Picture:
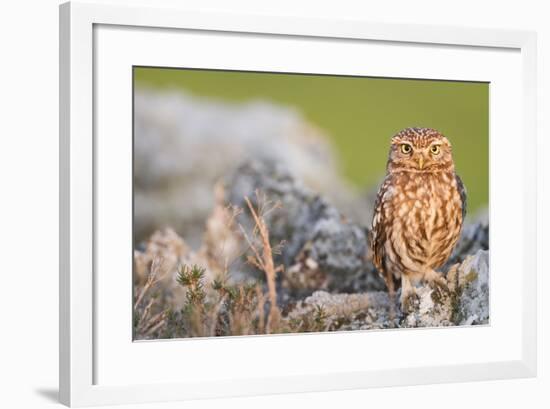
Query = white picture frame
x=79 y=385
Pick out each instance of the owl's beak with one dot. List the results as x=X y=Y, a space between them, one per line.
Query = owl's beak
x=421 y=162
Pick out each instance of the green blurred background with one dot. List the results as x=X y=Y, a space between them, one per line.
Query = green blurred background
x=360 y=114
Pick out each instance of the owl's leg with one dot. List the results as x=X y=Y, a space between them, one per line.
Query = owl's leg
x=409 y=298
x=391 y=292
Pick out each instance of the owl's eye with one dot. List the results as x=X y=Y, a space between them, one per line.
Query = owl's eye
x=406 y=148
x=435 y=149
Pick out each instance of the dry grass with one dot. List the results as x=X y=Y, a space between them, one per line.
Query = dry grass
x=179 y=293
x=262 y=254
x=211 y=304
x=233 y=285
x=146 y=322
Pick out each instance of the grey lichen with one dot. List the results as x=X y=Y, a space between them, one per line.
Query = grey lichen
x=313 y=229
x=466 y=302
x=474 y=300
x=183 y=144
x=322 y=246
x=326 y=283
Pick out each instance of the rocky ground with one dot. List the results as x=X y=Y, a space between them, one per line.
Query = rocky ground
x=241 y=231
x=466 y=303
x=322 y=277
x=183 y=144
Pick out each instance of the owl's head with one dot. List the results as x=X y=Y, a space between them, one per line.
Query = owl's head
x=420 y=149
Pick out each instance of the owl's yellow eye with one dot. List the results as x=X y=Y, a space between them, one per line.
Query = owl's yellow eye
x=435 y=149
x=406 y=148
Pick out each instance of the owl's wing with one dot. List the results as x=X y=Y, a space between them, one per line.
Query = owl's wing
x=462 y=192
x=378 y=230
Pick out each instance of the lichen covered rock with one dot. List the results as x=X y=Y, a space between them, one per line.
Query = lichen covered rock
x=346 y=312
x=321 y=246
x=183 y=144
x=473 y=307
x=465 y=302
x=474 y=237
x=194 y=177
x=315 y=233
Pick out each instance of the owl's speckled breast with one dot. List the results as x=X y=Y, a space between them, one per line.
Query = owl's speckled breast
x=425 y=214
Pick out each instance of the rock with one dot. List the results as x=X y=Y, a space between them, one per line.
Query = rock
x=431 y=309
x=465 y=303
x=183 y=144
x=317 y=234
x=313 y=230
x=474 y=237
x=345 y=312
x=474 y=299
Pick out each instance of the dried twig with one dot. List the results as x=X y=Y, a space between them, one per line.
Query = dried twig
x=264 y=259
x=260 y=307
x=156 y=327
x=145 y=312
x=151 y=323
x=152 y=279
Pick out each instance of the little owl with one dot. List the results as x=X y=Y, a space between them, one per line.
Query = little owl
x=418 y=211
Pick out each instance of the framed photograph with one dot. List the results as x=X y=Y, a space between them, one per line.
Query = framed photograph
x=254 y=204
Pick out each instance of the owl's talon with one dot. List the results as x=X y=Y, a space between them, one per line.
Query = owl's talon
x=410 y=302
x=441 y=285
x=437 y=282
x=441 y=288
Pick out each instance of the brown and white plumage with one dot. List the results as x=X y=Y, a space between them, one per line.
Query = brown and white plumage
x=419 y=210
